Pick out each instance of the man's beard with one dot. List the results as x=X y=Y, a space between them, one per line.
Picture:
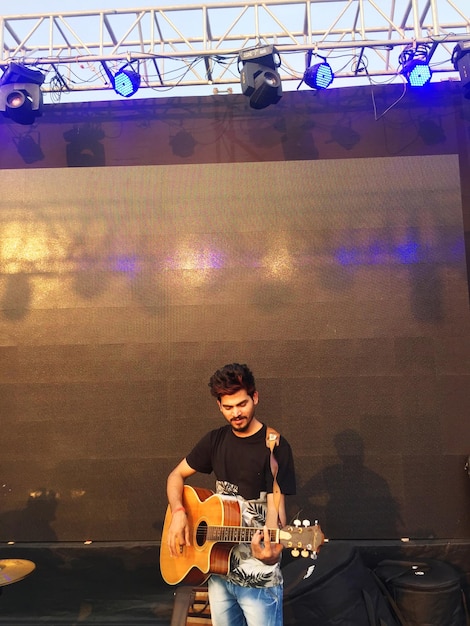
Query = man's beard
x=243 y=426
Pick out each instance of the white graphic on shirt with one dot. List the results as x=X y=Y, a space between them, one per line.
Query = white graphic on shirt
x=245 y=569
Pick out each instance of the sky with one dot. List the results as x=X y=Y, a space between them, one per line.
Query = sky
x=21 y=7
x=25 y=7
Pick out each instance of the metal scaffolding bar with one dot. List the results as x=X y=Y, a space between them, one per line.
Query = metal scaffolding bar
x=198 y=44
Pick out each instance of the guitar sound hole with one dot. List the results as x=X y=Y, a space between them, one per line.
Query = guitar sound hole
x=201 y=534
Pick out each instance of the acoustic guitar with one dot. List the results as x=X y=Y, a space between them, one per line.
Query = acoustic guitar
x=215 y=528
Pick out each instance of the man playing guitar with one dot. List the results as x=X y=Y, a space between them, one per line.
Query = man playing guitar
x=250 y=593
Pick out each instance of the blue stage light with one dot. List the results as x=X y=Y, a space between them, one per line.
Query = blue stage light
x=126 y=82
x=319 y=76
x=414 y=61
x=417 y=73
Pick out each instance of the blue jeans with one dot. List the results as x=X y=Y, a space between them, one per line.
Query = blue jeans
x=232 y=605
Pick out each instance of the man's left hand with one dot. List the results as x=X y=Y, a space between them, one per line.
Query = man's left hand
x=263 y=549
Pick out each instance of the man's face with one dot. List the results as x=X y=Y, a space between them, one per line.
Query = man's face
x=239 y=410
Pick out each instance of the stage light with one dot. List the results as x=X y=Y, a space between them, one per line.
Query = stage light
x=461 y=61
x=84 y=147
x=417 y=73
x=126 y=82
x=415 y=65
x=20 y=94
x=29 y=148
x=319 y=76
x=259 y=78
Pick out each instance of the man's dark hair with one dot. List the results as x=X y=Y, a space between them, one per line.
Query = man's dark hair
x=230 y=379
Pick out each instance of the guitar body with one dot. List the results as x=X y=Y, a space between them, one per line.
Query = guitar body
x=203 y=557
x=214 y=528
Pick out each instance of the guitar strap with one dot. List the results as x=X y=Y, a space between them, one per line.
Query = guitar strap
x=272 y=440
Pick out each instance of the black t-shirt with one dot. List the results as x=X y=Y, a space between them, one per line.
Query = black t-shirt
x=243 y=461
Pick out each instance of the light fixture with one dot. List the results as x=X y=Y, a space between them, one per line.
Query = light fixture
x=125 y=81
x=461 y=61
x=84 y=147
x=319 y=76
x=183 y=143
x=417 y=73
x=20 y=94
x=415 y=65
x=259 y=77
x=29 y=148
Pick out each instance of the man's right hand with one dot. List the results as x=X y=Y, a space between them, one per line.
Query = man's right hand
x=178 y=533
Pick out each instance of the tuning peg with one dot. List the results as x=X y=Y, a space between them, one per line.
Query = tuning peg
x=313 y=555
x=297 y=523
x=295 y=552
x=305 y=553
x=306 y=523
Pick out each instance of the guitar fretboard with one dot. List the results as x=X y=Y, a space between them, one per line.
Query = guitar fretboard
x=236 y=534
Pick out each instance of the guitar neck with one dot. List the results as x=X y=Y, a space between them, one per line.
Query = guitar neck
x=237 y=534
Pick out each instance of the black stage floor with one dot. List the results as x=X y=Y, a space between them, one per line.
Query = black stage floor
x=96 y=584
x=120 y=583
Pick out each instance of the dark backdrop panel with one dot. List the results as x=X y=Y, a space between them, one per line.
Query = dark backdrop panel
x=342 y=283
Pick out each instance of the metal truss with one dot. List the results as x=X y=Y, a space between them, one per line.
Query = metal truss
x=199 y=44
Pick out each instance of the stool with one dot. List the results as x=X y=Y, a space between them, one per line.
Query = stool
x=191 y=607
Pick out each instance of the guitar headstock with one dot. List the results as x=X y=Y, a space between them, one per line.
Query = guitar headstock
x=302 y=539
